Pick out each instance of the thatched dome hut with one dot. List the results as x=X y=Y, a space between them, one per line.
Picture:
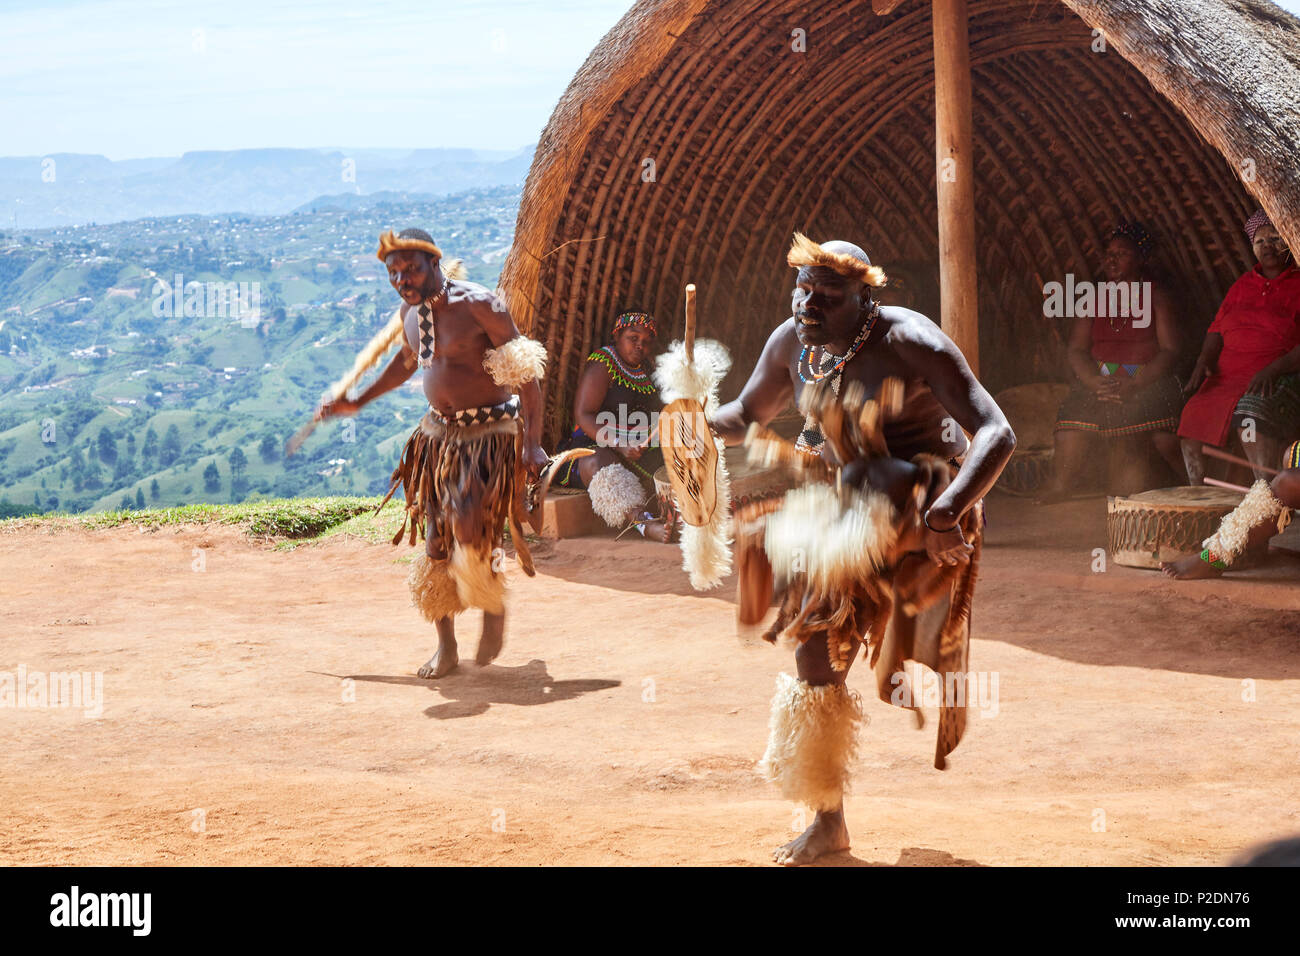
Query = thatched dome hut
x=699 y=135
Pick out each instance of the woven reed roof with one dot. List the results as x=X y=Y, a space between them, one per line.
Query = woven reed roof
x=751 y=141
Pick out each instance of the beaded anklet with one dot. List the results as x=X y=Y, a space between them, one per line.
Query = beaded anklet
x=1213 y=560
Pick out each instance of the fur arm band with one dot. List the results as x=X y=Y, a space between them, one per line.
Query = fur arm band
x=517 y=362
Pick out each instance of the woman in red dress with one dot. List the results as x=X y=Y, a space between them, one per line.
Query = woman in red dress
x=1246 y=373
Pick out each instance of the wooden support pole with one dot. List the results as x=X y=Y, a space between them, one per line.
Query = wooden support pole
x=959 y=292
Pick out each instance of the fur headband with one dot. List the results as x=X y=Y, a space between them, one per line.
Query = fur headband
x=805 y=252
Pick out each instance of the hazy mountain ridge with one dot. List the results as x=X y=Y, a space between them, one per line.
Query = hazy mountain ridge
x=68 y=189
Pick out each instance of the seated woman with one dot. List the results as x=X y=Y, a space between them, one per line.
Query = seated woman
x=616 y=409
x=1124 y=390
x=1245 y=375
x=1264 y=512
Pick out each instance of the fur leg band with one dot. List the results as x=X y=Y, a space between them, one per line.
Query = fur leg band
x=433 y=590
x=812 y=741
x=477 y=584
x=614 y=491
x=518 y=361
x=1259 y=505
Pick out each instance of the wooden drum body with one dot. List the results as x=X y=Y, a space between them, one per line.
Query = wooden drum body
x=1031 y=411
x=1164 y=524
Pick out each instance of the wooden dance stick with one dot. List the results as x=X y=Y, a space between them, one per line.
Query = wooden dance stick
x=1223 y=484
x=689 y=337
x=1224 y=456
x=300 y=436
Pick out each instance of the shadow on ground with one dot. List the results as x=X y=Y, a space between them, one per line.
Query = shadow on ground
x=471 y=690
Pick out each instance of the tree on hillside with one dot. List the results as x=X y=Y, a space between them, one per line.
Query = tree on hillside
x=125 y=503
x=150 y=449
x=139 y=499
x=171 y=445
x=154 y=491
x=269 y=449
x=238 y=462
x=130 y=444
x=211 y=478
x=107 y=445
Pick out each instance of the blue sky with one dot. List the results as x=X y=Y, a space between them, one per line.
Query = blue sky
x=132 y=78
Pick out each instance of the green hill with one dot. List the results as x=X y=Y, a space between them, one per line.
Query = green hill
x=108 y=396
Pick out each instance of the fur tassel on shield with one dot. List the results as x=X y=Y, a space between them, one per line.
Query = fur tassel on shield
x=812 y=741
x=677 y=378
x=706 y=550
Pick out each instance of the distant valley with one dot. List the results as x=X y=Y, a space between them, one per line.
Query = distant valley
x=116 y=390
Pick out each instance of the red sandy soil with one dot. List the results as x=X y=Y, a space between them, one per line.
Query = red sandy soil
x=623 y=721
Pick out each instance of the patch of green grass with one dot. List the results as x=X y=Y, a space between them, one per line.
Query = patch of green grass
x=277 y=518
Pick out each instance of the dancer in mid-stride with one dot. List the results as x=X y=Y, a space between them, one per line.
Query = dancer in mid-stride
x=465 y=467
x=887 y=527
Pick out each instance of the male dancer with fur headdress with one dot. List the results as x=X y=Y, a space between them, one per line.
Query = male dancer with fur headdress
x=464 y=468
x=883 y=540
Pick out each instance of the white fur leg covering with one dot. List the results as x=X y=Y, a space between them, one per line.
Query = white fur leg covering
x=518 y=361
x=614 y=491
x=433 y=591
x=812 y=741
x=1259 y=506
x=699 y=380
x=477 y=585
x=706 y=551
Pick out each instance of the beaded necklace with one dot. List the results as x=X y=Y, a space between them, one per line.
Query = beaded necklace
x=811 y=438
x=827 y=363
x=638 y=380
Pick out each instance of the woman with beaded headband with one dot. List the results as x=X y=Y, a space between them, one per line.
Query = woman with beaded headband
x=1246 y=378
x=1124 y=390
x=615 y=411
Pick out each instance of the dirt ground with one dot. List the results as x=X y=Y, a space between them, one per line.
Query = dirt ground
x=265 y=710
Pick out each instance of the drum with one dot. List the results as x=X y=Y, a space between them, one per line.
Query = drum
x=1031 y=410
x=1027 y=473
x=1164 y=524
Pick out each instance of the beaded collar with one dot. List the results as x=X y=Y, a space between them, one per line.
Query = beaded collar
x=637 y=379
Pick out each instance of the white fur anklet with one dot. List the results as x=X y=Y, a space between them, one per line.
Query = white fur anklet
x=614 y=491
x=1259 y=505
x=812 y=741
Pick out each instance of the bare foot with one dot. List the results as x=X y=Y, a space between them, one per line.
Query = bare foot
x=490 y=644
x=1190 y=568
x=442 y=663
x=657 y=531
x=828 y=834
